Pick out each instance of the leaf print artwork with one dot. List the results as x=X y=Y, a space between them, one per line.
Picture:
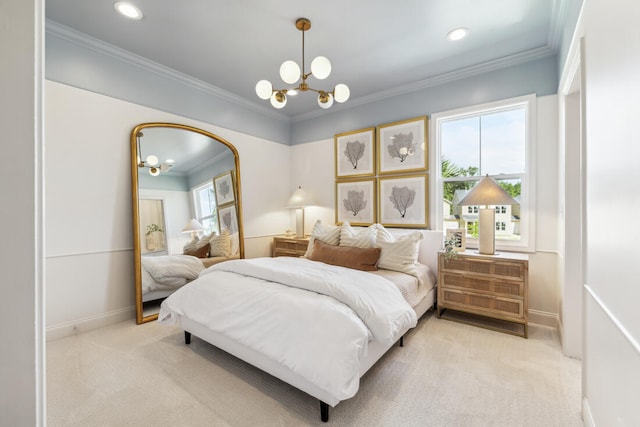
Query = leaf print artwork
x=355 y=202
x=402 y=198
x=354 y=151
x=402 y=146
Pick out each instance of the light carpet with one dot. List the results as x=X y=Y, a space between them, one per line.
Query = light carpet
x=447 y=374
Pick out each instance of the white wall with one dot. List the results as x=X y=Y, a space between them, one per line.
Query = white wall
x=312 y=167
x=22 y=390
x=89 y=243
x=611 y=359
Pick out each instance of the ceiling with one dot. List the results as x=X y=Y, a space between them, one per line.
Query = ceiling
x=375 y=47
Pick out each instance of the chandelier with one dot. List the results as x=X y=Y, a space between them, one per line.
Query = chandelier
x=152 y=162
x=290 y=73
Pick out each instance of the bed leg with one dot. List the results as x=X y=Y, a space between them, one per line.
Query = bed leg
x=402 y=341
x=187 y=337
x=324 y=412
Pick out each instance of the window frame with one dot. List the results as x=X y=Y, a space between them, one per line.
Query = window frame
x=528 y=177
x=196 y=204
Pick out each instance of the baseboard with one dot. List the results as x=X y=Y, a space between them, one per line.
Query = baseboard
x=543 y=318
x=587 y=418
x=67 y=329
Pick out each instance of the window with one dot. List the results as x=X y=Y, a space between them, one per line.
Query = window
x=492 y=139
x=204 y=201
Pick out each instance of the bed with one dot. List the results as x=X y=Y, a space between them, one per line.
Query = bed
x=265 y=311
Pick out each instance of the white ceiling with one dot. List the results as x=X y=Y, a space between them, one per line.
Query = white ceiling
x=375 y=46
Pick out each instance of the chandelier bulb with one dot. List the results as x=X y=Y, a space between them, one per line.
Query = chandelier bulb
x=264 y=89
x=341 y=93
x=289 y=72
x=321 y=67
x=154 y=171
x=325 y=100
x=152 y=160
x=278 y=100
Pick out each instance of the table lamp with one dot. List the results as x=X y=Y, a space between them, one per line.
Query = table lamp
x=193 y=227
x=298 y=201
x=487 y=192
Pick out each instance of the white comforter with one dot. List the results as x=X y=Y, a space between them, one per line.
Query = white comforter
x=265 y=304
x=168 y=272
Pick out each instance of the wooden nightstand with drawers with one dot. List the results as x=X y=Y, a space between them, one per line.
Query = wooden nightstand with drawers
x=490 y=291
x=289 y=246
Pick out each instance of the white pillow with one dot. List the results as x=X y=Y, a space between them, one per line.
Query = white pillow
x=398 y=254
x=329 y=234
x=191 y=245
x=219 y=245
x=362 y=238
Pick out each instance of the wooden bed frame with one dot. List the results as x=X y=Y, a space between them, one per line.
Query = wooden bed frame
x=429 y=247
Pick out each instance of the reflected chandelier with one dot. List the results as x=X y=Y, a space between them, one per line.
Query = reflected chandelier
x=152 y=161
x=290 y=73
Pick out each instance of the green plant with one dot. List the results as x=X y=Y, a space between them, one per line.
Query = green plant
x=153 y=227
x=450 y=247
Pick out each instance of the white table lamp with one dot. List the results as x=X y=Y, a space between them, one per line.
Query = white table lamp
x=298 y=201
x=487 y=192
x=193 y=227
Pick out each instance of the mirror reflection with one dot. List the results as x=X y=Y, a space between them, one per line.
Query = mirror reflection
x=186 y=208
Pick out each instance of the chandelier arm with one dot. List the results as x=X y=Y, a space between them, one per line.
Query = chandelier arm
x=303 y=75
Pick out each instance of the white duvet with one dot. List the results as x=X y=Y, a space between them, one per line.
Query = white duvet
x=315 y=319
x=168 y=272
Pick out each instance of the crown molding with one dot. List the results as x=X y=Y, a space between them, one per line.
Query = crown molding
x=78 y=38
x=463 y=73
x=556 y=25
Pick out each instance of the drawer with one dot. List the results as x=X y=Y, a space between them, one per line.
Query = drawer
x=494 y=306
x=483 y=284
x=504 y=268
x=283 y=246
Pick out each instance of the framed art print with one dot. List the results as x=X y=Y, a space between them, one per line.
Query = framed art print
x=404 y=201
x=224 y=188
x=228 y=218
x=356 y=201
x=458 y=237
x=402 y=146
x=354 y=153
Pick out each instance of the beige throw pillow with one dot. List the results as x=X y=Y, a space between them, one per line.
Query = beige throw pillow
x=327 y=233
x=360 y=238
x=398 y=254
x=220 y=245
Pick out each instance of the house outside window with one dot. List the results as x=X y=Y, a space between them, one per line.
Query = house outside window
x=492 y=139
x=205 y=206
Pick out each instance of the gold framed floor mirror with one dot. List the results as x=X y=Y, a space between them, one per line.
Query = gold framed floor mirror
x=174 y=172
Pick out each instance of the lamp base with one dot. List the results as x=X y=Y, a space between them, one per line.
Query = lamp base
x=486 y=231
x=300 y=222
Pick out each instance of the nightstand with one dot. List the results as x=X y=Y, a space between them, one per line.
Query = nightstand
x=490 y=291
x=289 y=246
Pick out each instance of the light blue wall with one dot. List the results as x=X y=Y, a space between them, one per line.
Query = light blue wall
x=84 y=66
x=162 y=182
x=538 y=76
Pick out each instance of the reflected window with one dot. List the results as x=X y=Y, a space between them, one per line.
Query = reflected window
x=205 y=206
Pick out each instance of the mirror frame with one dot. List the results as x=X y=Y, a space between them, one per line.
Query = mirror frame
x=140 y=318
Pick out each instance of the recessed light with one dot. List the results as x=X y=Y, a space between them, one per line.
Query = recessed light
x=127 y=9
x=458 y=34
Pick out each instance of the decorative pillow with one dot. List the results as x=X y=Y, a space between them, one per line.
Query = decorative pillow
x=398 y=254
x=345 y=256
x=220 y=245
x=327 y=233
x=199 y=252
x=191 y=245
x=363 y=238
x=234 y=243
